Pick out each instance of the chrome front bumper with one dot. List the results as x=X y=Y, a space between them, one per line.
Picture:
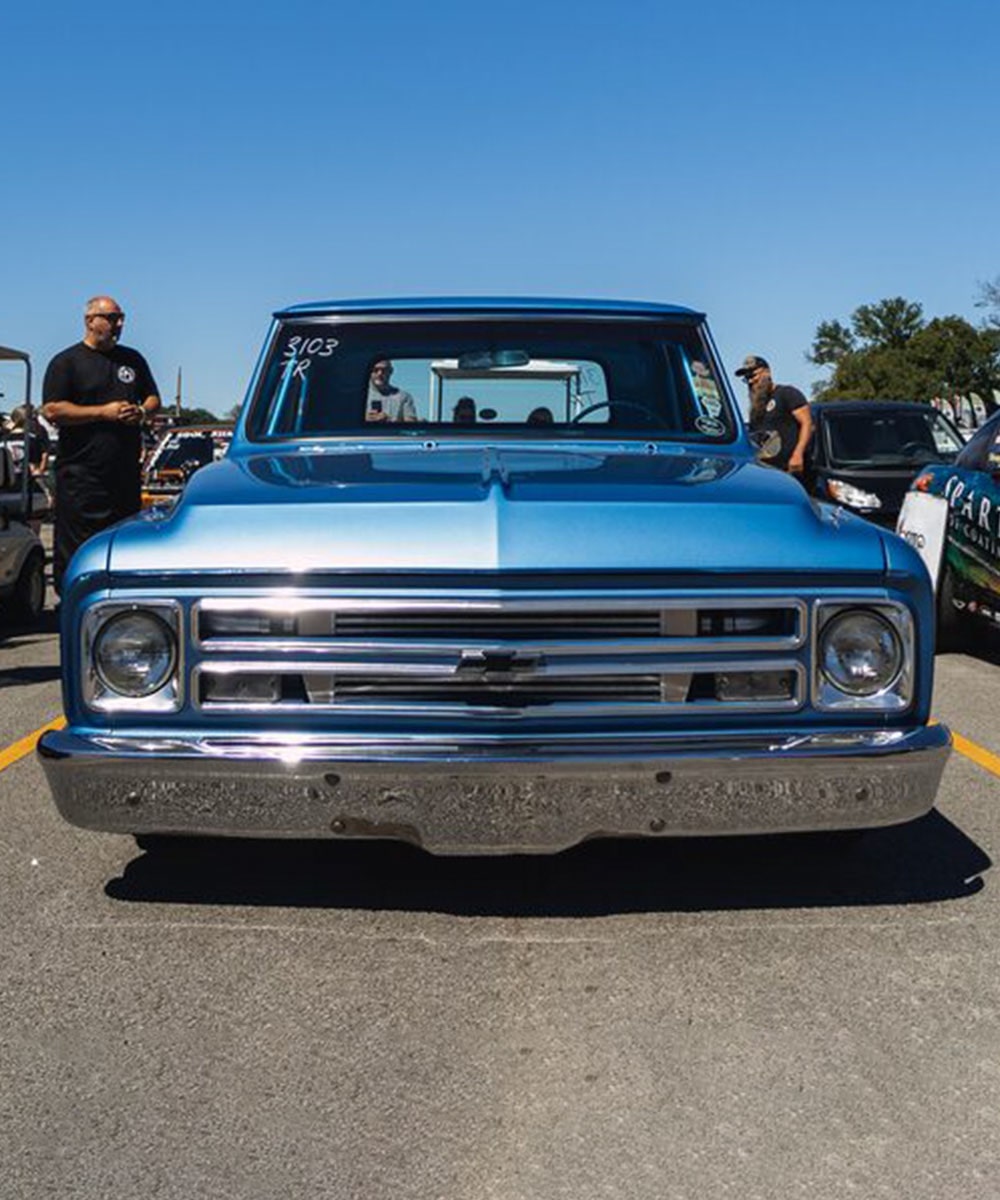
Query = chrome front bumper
x=511 y=795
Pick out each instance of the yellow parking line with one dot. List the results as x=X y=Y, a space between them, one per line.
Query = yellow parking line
x=14 y=753
x=982 y=758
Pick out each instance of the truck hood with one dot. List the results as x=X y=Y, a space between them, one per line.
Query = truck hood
x=483 y=508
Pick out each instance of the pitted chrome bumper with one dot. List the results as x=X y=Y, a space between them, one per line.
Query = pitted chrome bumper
x=509 y=795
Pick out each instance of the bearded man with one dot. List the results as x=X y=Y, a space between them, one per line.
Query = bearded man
x=779 y=415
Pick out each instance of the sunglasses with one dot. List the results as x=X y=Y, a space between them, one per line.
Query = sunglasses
x=113 y=318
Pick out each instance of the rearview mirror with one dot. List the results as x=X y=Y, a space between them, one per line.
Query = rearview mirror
x=492 y=360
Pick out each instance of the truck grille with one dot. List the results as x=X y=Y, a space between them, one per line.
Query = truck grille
x=600 y=655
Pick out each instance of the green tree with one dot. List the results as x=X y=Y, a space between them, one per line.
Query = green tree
x=889 y=323
x=989 y=298
x=197 y=416
x=832 y=341
x=963 y=358
x=888 y=351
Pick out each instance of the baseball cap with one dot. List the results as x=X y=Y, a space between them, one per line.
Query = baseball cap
x=751 y=363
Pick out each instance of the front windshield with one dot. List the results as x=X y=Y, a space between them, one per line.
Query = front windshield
x=900 y=438
x=474 y=377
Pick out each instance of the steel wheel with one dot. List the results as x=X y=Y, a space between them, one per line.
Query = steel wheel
x=29 y=591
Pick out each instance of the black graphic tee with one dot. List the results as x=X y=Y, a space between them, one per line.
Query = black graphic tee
x=106 y=451
x=774 y=417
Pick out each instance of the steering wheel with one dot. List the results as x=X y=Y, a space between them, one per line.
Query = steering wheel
x=913 y=448
x=654 y=416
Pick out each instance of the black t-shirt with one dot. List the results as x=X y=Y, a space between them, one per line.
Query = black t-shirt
x=775 y=418
x=108 y=451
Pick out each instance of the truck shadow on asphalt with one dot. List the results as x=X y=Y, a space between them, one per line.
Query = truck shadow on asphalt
x=19 y=635
x=927 y=860
x=19 y=676
x=984 y=644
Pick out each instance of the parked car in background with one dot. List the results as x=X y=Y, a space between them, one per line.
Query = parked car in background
x=865 y=453
x=177 y=455
x=556 y=598
x=951 y=517
x=22 y=559
x=22 y=498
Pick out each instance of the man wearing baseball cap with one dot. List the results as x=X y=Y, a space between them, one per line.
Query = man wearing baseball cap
x=779 y=414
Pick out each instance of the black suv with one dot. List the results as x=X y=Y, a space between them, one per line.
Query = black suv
x=865 y=453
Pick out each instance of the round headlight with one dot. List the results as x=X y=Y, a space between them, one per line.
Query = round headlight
x=860 y=652
x=134 y=653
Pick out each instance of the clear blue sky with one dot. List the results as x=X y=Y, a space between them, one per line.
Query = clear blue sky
x=773 y=164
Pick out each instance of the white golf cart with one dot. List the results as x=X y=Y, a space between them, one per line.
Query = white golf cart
x=511 y=390
x=22 y=558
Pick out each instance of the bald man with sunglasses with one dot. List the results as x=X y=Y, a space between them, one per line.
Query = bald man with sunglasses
x=98 y=393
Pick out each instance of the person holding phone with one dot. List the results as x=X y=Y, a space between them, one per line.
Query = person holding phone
x=385 y=402
x=97 y=393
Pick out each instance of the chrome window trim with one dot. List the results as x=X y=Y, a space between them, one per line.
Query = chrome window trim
x=384 y=316
x=898 y=695
x=95 y=694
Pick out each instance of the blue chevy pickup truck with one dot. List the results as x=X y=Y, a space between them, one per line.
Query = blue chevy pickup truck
x=493 y=576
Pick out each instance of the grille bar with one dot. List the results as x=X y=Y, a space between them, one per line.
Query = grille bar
x=415 y=625
x=251 y=686
x=550 y=655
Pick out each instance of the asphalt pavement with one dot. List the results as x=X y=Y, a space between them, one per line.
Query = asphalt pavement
x=751 y=1018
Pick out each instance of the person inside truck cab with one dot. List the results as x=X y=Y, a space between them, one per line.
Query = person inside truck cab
x=464 y=412
x=385 y=402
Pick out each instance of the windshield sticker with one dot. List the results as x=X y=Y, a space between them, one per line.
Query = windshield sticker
x=705 y=388
x=709 y=426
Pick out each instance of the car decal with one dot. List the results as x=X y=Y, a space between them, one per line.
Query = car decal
x=923 y=522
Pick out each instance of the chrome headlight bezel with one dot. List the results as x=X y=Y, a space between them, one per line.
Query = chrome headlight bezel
x=896 y=693
x=98 y=694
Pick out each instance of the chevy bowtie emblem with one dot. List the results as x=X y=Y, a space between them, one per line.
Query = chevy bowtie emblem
x=497 y=662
